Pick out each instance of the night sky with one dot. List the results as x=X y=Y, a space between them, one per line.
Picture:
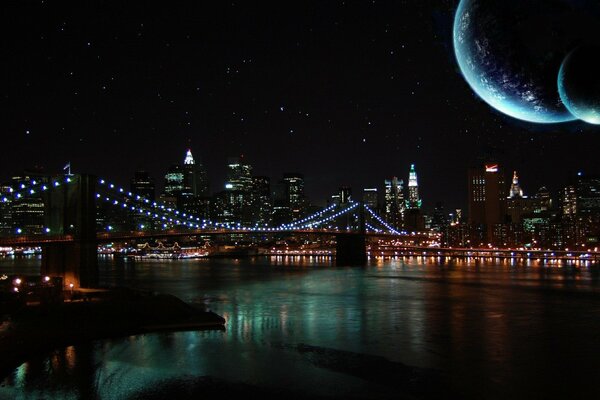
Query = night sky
x=348 y=93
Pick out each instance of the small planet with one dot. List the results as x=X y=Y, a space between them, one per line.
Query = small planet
x=511 y=51
x=579 y=83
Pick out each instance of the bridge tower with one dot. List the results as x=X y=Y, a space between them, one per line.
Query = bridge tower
x=351 y=247
x=70 y=210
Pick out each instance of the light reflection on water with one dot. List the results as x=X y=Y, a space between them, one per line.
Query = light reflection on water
x=498 y=328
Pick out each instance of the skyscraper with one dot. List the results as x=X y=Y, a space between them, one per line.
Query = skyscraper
x=515 y=188
x=294 y=194
x=194 y=176
x=236 y=200
x=487 y=201
x=174 y=181
x=517 y=204
x=345 y=194
x=189 y=175
x=143 y=185
x=394 y=202
x=370 y=198
x=261 y=200
x=239 y=175
x=414 y=202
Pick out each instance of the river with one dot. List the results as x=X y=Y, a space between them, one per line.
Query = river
x=491 y=329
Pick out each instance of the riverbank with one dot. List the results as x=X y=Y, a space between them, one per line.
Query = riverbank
x=37 y=329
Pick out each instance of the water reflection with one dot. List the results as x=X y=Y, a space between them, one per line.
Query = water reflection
x=499 y=329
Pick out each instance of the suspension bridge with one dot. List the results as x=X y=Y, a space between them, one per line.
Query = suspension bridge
x=71 y=236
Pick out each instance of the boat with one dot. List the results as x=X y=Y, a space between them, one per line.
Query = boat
x=175 y=252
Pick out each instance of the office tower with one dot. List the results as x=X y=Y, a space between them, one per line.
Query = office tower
x=394 y=202
x=370 y=198
x=6 y=225
x=569 y=200
x=487 y=201
x=174 y=181
x=189 y=175
x=261 y=201
x=542 y=201
x=237 y=197
x=588 y=195
x=517 y=204
x=515 y=188
x=194 y=176
x=294 y=194
x=440 y=219
x=239 y=175
x=28 y=212
x=345 y=194
x=414 y=202
x=143 y=185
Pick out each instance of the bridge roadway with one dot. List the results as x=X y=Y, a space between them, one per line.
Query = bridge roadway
x=108 y=237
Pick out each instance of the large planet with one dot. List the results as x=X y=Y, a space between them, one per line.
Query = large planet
x=579 y=83
x=511 y=51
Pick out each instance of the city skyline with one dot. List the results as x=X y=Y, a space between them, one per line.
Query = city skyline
x=369 y=99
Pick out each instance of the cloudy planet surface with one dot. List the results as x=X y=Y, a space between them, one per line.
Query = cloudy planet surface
x=511 y=51
x=579 y=83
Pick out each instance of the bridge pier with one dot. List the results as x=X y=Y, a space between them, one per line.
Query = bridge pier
x=351 y=249
x=71 y=210
x=76 y=263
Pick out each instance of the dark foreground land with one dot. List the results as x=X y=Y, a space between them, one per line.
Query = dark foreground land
x=36 y=329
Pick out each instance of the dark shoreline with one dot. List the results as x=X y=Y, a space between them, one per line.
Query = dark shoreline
x=39 y=329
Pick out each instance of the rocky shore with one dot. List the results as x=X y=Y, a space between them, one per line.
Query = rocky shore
x=36 y=329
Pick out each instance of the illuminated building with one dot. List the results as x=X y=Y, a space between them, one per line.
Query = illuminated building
x=370 y=198
x=194 y=176
x=542 y=200
x=345 y=194
x=413 y=202
x=517 y=204
x=487 y=202
x=581 y=211
x=515 y=188
x=413 y=217
x=6 y=225
x=239 y=175
x=174 y=181
x=234 y=204
x=394 y=202
x=440 y=219
x=143 y=185
x=294 y=195
x=27 y=213
x=261 y=201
